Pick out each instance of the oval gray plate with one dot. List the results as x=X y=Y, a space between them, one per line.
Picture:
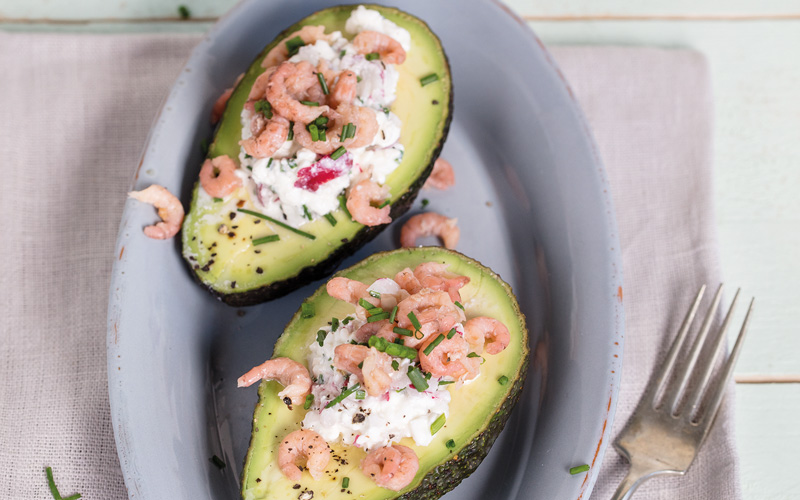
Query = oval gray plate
x=533 y=202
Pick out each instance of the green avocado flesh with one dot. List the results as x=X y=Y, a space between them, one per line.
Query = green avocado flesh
x=478 y=410
x=225 y=260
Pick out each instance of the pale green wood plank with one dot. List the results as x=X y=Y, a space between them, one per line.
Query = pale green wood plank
x=109 y=27
x=114 y=9
x=756 y=77
x=768 y=437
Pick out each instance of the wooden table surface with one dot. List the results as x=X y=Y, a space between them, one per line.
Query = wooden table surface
x=754 y=52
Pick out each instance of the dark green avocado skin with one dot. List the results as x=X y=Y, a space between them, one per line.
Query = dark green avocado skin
x=326 y=267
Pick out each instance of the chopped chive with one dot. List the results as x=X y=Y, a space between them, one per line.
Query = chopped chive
x=361 y=365
x=183 y=11
x=450 y=444
x=425 y=80
x=341 y=397
x=503 y=380
x=217 y=461
x=438 y=340
x=269 y=163
x=341 y=54
x=321 y=121
x=395 y=365
x=428 y=375
x=281 y=224
x=330 y=218
x=343 y=206
x=451 y=333
x=378 y=317
x=306 y=213
x=473 y=355
x=264 y=107
x=217 y=200
x=425 y=202
x=321 y=379
x=358 y=79
x=309 y=401
x=386 y=111
x=378 y=343
x=293 y=45
x=334 y=324
x=307 y=310
x=578 y=469
x=393 y=315
x=339 y=152
x=322 y=134
x=313 y=104
x=76 y=496
x=345 y=480
x=321 y=337
x=361 y=394
x=266 y=239
x=400 y=351
x=414 y=320
x=400 y=341
x=52 y=483
x=438 y=424
x=204 y=147
x=291 y=132
x=347 y=320
x=323 y=83
x=365 y=303
x=314 y=131
x=459 y=305
x=446 y=382
x=402 y=331
x=375 y=294
x=417 y=378
x=249 y=168
x=375 y=310
x=418 y=335
x=385 y=202
x=372 y=56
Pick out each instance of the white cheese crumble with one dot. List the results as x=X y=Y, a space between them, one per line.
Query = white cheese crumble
x=364 y=19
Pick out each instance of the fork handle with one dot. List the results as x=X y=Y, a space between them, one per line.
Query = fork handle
x=638 y=474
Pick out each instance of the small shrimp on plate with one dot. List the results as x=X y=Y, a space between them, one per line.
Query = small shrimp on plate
x=218 y=176
x=442 y=176
x=169 y=209
x=304 y=446
x=359 y=204
x=430 y=224
x=293 y=376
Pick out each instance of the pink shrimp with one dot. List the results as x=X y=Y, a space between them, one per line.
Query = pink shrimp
x=349 y=290
x=389 y=49
x=434 y=275
x=218 y=176
x=222 y=101
x=306 y=447
x=375 y=372
x=486 y=333
x=408 y=281
x=280 y=53
x=449 y=358
x=290 y=84
x=169 y=209
x=359 y=204
x=344 y=91
x=347 y=357
x=289 y=373
x=442 y=176
x=392 y=467
x=362 y=117
x=382 y=328
x=433 y=309
x=269 y=140
x=430 y=224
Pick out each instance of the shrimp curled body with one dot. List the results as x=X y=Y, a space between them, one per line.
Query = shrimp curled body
x=358 y=203
x=218 y=176
x=374 y=370
x=289 y=85
x=392 y=467
x=486 y=333
x=349 y=291
x=303 y=444
x=430 y=224
x=434 y=275
x=292 y=375
x=269 y=140
x=449 y=359
x=389 y=49
x=442 y=176
x=169 y=209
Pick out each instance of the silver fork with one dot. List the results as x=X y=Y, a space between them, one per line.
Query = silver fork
x=663 y=435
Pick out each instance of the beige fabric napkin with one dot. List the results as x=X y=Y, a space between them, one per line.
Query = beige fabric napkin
x=76 y=110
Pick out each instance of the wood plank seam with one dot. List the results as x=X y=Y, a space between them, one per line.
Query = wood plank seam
x=755 y=378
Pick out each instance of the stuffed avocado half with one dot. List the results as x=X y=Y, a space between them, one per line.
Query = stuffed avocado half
x=454 y=446
x=245 y=258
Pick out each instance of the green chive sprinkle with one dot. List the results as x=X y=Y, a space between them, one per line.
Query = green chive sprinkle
x=321 y=121
x=266 y=239
x=372 y=56
x=306 y=310
x=343 y=206
x=425 y=80
x=309 y=402
x=400 y=341
x=314 y=131
x=294 y=45
x=52 y=484
x=360 y=394
x=330 y=218
x=341 y=397
x=323 y=83
x=184 y=12
x=264 y=107
x=306 y=213
x=378 y=317
x=374 y=310
x=503 y=380
x=438 y=340
x=386 y=202
x=578 y=469
x=217 y=461
x=451 y=333
x=459 y=305
x=450 y=444
x=291 y=132
x=425 y=202
x=378 y=343
x=417 y=378
x=438 y=424
x=428 y=375
x=395 y=365
x=322 y=134
x=347 y=320
x=418 y=335
x=345 y=480
x=375 y=294
x=204 y=147
x=414 y=320
x=313 y=104
x=393 y=315
x=339 y=152
x=334 y=324
x=341 y=54
x=217 y=200
x=365 y=303
x=358 y=79
x=400 y=351
x=446 y=382
x=76 y=496
x=473 y=355
x=281 y=224
x=402 y=331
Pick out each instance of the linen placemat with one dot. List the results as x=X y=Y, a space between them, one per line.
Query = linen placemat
x=76 y=110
